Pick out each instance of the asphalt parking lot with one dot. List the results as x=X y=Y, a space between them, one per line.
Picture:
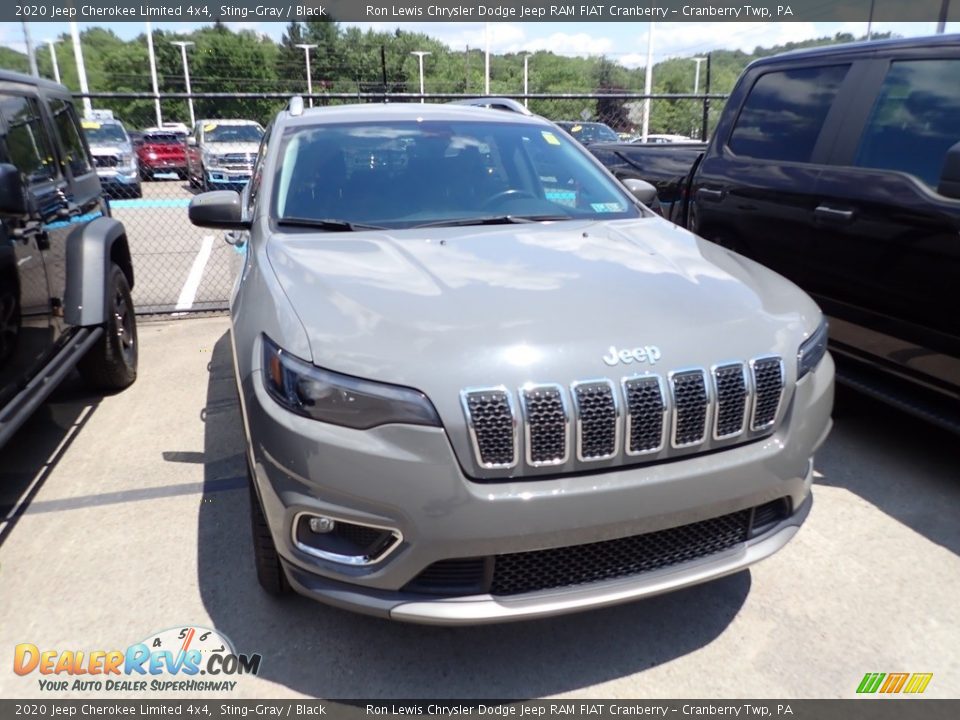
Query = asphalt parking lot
x=178 y=266
x=128 y=514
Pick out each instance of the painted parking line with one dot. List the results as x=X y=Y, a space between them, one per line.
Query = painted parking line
x=190 y=287
x=147 y=203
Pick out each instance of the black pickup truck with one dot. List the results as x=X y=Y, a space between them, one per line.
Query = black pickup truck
x=839 y=167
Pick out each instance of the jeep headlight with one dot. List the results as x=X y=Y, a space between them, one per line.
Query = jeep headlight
x=339 y=399
x=812 y=350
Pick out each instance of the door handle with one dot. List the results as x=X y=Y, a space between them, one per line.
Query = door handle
x=833 y=214
x=710 y=195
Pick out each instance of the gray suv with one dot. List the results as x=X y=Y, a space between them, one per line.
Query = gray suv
x=65 y=270
x=114 y=157
x=481 y=381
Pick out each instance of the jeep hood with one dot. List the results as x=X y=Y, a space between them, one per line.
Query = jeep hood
x=446 y=308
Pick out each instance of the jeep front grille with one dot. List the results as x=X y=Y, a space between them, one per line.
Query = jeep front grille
x=546 y=424
x=598 y=420
x=731 y=411
x=688 y=411
x=768 y=383
x=646 y=414
x=492 y=424
x=690 y=401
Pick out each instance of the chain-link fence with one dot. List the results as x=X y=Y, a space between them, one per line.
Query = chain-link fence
x=155 y=154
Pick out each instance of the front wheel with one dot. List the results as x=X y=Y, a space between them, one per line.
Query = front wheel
x=270 y=573
x=111 y=364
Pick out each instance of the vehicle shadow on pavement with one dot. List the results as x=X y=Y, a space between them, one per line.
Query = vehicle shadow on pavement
x=32 y=454
x=330 y=653
x=907 y=468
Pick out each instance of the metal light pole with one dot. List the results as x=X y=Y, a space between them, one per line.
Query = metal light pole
x=182 y=44
x=81 y=69
x=648 y=84
x=153 y=75
x=942 y=22
x=53 y=59
x=526 y=78
x=30 y=53
x=420 y=54
x=870 y=22
x=306 y=52
x=696 y=77
x=486 y=61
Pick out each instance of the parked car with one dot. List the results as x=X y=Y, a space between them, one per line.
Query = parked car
x=839 y=167
x=480 y=381
x=655 y=139
x=114 y=157
x=162 y=151
x=65 y=270
x=220 y=153
x=588 y=132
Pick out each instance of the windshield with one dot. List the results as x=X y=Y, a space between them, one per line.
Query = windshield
x=104 y=133
x=407 y=173
x=592 y=132
x=214 y=133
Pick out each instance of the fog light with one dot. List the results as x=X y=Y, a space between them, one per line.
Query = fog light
x=321 y=525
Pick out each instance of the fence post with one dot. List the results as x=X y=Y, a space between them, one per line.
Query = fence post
x=704 y=130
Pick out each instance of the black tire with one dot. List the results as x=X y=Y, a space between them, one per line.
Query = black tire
x=136 y=191
x=145 y=174
x=270 y=573
x=111 y=364
x=190 y=179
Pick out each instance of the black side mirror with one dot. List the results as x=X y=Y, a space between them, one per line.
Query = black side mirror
x=218 y=209
x=641 y=190
x=13 y=199
x=950 y=175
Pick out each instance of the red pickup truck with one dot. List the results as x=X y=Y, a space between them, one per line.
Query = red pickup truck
x=162 y=151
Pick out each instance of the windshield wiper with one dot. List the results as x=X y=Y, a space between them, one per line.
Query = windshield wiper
x=327 y=224
x=492 y=220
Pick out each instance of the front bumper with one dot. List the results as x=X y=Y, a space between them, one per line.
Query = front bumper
x=158 y=165
x=227 y=178
x=487 y=608
x=408 y=478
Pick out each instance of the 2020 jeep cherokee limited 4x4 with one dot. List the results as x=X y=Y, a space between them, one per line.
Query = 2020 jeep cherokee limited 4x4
x=481 y=382
x=65 y=270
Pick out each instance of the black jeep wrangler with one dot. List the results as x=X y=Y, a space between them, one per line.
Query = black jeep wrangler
x=65 y=270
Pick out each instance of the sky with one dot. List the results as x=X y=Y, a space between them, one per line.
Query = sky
x=623 y=42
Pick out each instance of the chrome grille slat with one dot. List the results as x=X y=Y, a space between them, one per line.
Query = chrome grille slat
x=646 y=412
x=546 y=425
x=598 y=420
x=493 y=427
x=690 y=405
x=768 y=386
x=730 y=387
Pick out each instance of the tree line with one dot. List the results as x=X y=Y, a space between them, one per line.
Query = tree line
x=349 y=60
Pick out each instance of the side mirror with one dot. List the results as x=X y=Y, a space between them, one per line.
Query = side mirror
x=218 y=209
x=13 y=199
x=950 y=175
x=641 y=190
x=191 y=141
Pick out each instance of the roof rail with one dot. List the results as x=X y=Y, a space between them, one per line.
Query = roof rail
x=295 y=106
x=495 y=103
